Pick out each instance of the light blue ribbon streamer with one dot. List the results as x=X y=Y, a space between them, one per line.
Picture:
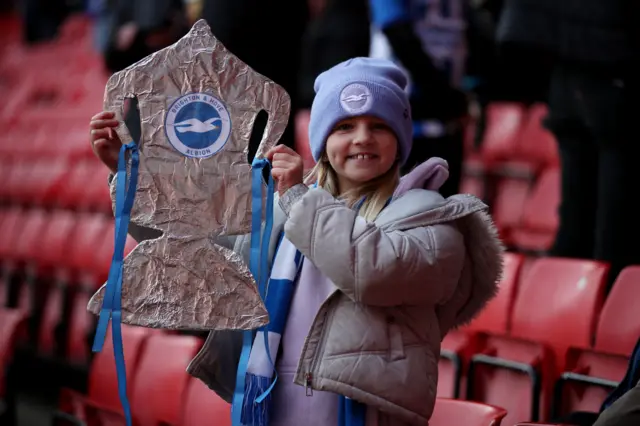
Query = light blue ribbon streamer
x=112 y=302
x=259 y=267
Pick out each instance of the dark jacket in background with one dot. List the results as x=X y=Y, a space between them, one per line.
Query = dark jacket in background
x=340 y=32
x=149 y=16
x=600 y=34
x=266 y=35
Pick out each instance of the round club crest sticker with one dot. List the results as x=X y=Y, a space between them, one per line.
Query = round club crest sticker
x=356 y=98
x=197 y=125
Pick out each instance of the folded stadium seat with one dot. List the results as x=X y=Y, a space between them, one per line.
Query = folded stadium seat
x=25 y=254
x=89 y=235
x=4 y=292
x=203 y=407
x=36 y=182
x=71 y=138
x=539 y=424
x=86 y=187
x=11 y=226
x=504 y=124
x=13 y=325
x=60 y=308
x=94 y=274
x=55 y=244
x=302 y=138
x=161 y=380
x=449 y=412
x=45 y=97
x=557 y=306
x=97 y=191
x=495 y=318
x=102 y=389
x=473 y=185
x=459 y=345
x=539 y=224
x=508 y=206
x=592 y=373
x=537 y=143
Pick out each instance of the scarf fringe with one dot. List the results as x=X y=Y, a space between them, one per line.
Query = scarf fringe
x=254 y=413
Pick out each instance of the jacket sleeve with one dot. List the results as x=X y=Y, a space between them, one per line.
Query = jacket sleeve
x=624 y=412
x=419 y=266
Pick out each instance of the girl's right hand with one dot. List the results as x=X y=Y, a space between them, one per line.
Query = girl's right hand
x=105 y=142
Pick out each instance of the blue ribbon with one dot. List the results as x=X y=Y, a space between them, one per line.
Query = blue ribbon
x=259 y=267
x=112 y=302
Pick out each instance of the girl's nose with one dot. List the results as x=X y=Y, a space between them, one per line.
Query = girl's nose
x=362 y=134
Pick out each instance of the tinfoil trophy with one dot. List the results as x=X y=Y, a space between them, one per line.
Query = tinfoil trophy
x=188 y=177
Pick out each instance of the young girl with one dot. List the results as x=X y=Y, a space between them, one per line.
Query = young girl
x=381 y=267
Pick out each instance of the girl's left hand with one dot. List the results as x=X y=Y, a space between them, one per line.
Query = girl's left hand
x=286 y=167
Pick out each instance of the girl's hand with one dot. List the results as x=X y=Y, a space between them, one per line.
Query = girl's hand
x=104 y=140
x=286 y=167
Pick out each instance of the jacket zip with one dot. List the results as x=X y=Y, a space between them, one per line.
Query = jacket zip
x=308 y=375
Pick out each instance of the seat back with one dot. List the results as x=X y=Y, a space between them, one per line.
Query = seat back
x=559 y=302
x=619 y=325
x=161 y=379
x=616 y=336
x=457 y=412
x=538 y=143
x=203 y=407
x=88 y=235
x=541 y=208
x=13 y=323
x=27 y=246
x=103 y=382
x=503 y=129
x=56 y=242
x=509 y=204
x=11 y=227
x=496 y=316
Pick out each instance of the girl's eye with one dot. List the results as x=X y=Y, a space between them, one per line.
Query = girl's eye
x=343 y=127
x=379 y=126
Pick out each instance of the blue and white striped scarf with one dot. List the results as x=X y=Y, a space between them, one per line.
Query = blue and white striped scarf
x=261 y=375
x=256 y=371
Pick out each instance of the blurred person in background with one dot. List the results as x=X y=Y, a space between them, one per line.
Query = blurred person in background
x=42 y=18
x=267 y=36
x=338 y=30
x=141 y=27
x=428 y=38
x=594 y=46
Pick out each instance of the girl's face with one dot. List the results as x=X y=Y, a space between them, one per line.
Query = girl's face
x=360 y=149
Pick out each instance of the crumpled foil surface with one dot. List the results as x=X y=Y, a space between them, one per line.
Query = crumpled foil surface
x=194 y=183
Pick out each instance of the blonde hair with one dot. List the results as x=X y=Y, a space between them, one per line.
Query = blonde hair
x=376 y=192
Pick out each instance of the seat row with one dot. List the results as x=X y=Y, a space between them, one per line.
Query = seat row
x=551 y=342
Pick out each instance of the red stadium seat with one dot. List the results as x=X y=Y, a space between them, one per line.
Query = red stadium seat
x=592 y=373
x=496 y=316
x=13 y=325
x=459 y=345
x=540 y=217
x=514 y=372
x=509 y=206
x=449 y=412
x=503 y=129
x=160 y=382
x=86 y=187
x=538 y=144
x=203 y=407
x=103 y=385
